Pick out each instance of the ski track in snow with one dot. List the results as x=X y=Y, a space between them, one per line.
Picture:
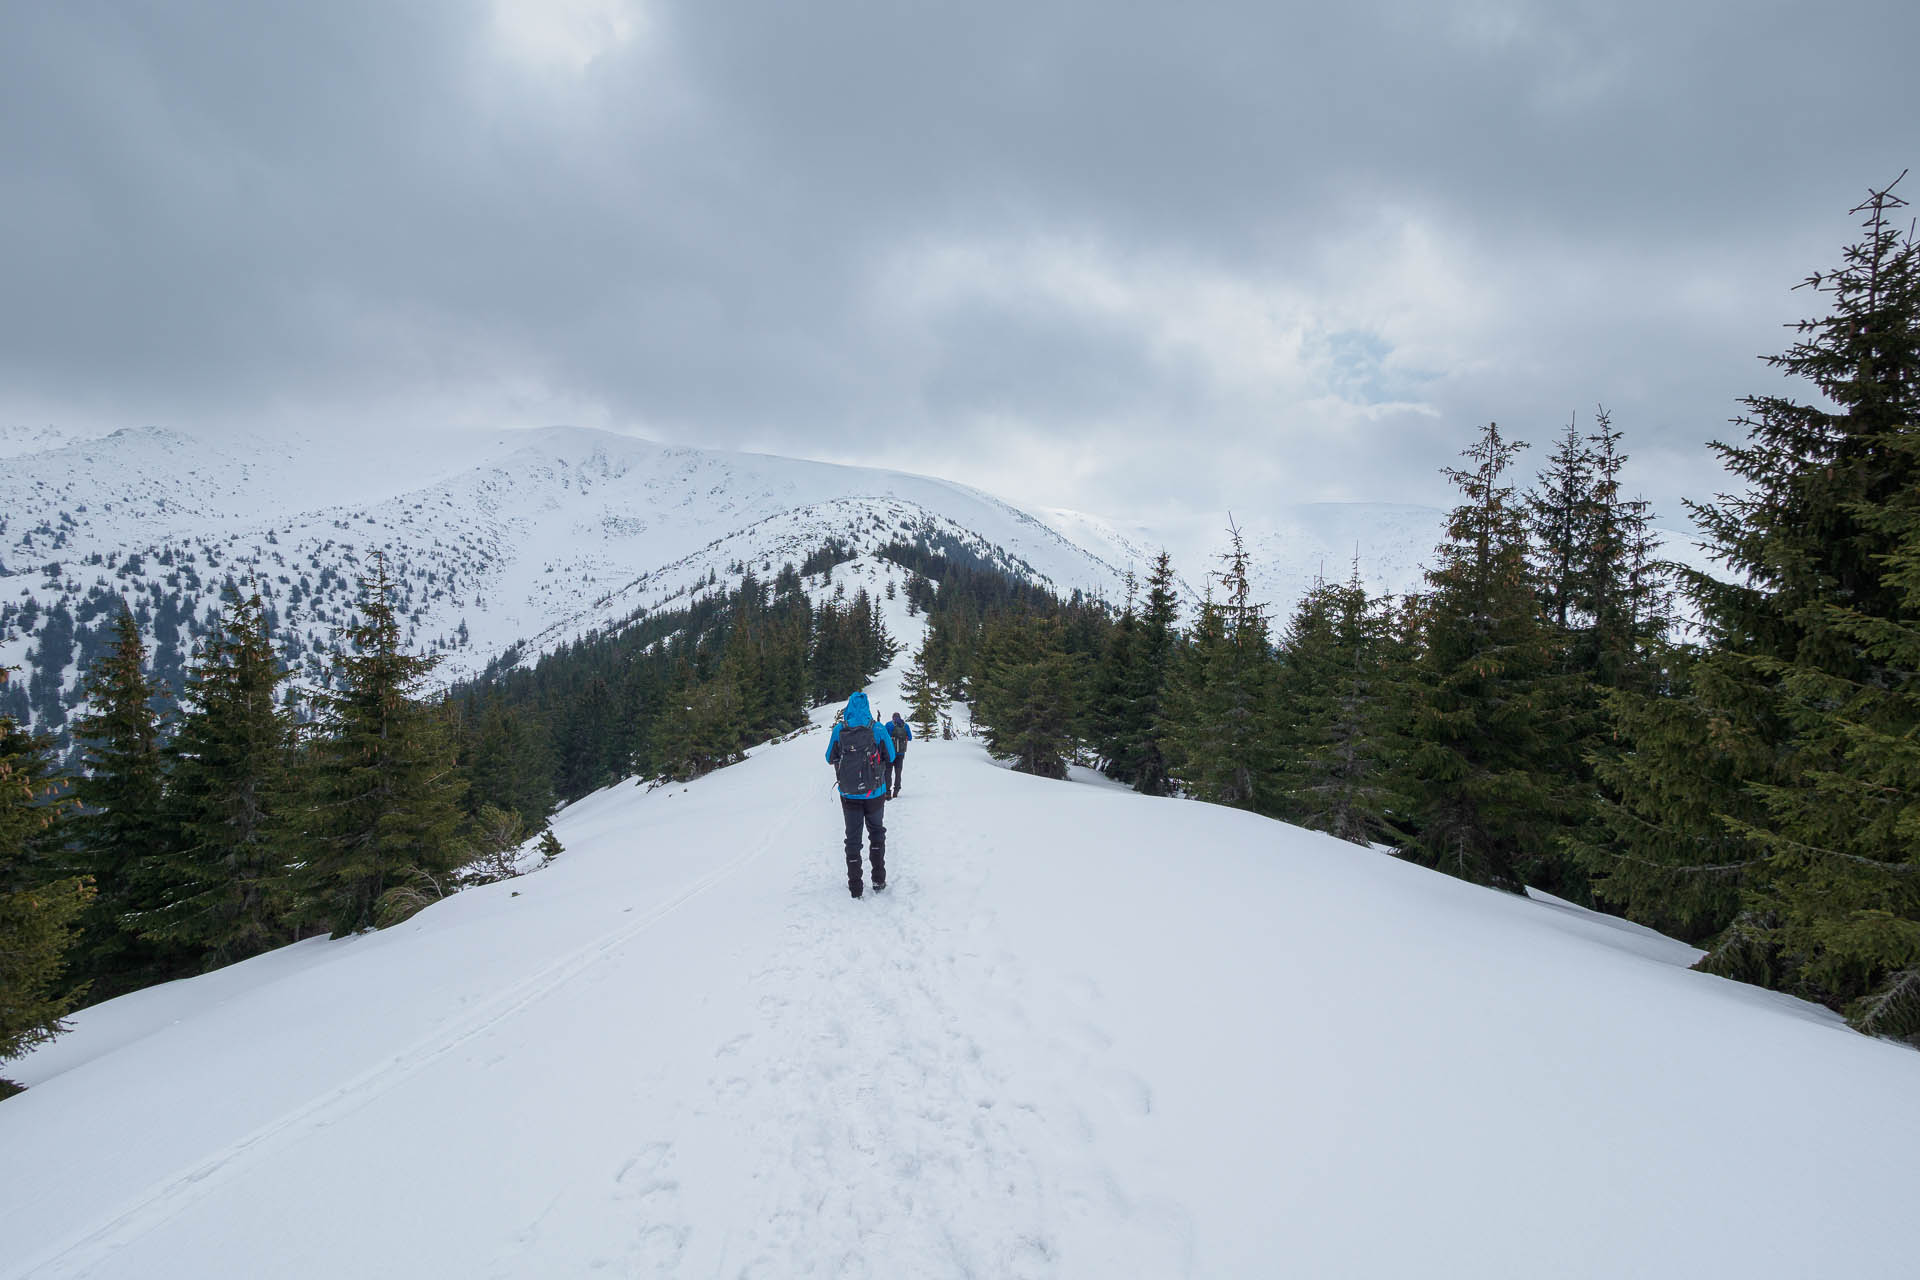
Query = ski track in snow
x=80 y=1256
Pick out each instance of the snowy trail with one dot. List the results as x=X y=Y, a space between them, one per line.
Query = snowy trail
x=891 y=1114
x=1083 y=1034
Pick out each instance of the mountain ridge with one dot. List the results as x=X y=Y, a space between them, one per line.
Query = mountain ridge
x=517 y=539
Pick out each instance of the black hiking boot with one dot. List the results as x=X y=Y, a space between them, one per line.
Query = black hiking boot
x=879 y=886
x=855 y=889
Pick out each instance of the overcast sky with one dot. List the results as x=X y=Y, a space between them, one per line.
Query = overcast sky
x=1099 y=255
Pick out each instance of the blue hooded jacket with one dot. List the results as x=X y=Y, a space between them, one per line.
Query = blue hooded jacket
x=857 y=714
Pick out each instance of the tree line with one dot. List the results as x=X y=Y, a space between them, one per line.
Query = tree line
x=195 y=836
x=678 y=692
x=1731 y=757
x=247 y=816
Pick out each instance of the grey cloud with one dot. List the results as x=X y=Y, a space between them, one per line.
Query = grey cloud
x=223 y=214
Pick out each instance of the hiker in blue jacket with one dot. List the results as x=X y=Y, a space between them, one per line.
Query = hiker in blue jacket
x=860 y=752
x=902 y=733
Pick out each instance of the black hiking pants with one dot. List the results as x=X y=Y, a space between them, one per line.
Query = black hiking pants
x=899 y=760
x=867 y=811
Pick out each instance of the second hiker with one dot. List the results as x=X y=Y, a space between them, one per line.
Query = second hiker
x=902 y=733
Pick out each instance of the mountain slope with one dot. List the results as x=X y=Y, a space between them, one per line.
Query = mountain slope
x=1085 y=1033
x=522 y=540
x=493 y=542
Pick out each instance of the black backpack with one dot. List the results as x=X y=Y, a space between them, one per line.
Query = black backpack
x=897 y=730
x=857 y=762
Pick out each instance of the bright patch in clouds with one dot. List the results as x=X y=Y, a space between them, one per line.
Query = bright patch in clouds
x=1243 y=337
x=566 y=35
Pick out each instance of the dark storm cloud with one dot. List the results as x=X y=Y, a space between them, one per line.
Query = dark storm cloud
x=1082 y=252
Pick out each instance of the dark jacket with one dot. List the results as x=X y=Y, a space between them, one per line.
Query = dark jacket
x=857 y=714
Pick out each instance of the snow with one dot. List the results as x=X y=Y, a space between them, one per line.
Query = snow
x=525 y=540
x=1083 y=1033
x=528 y=539
x=511 y=540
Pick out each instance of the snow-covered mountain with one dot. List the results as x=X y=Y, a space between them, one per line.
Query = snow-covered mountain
x=1084 y=1033
x=18 y=439
x=524 y=538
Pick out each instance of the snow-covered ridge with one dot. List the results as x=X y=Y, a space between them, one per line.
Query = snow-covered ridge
x=527 y=539
x=514 y=539
x=16 y=439
x=493 y=541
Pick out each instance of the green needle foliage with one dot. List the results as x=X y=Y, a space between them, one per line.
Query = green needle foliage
x=38 y=912
x=1830 y=530
x=1029 y=698
x=1338 y=722
x=510 y=764
x=1218 y=720
x=384 y=808
x=120 y=831
x=1769 y=789
x=1483 y=768
x=229 y=892
x=923 y=700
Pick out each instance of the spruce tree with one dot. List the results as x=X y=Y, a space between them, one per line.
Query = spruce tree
x=1628 y=598
x=838 y=652
x=228 y=875
x=1304 y=660
x=674 y=735
x=384 y=811
x=875 y=646
x=1027 y=704
x=1484 y=763
x=510 y=765
x=1843 y=849
x=592 y=740
x=1630 y=684
x=1603 y=601
x=1142 y=739
x=1220 y=721
x=698 y=729
x=38 y=911
x=1112 y=703
x=923 y=702
x=1183 y=701
x=1656 y=848
x=1339 y=738
x=742 y=662
x=1562 y=516
x=119 y=831
x=1817 y=637
x=643 y=694
x=1767 y=793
